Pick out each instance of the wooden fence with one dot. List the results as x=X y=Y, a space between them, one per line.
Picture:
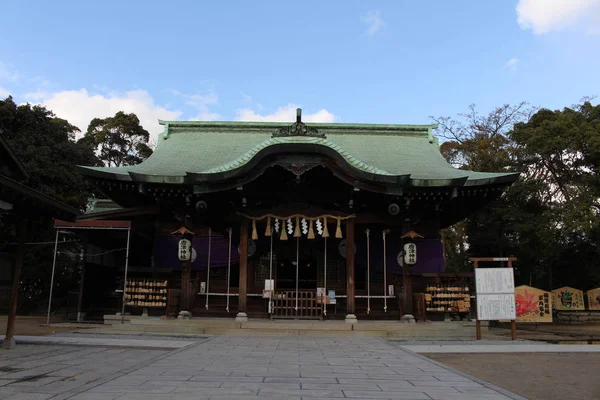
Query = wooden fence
x=284 y=306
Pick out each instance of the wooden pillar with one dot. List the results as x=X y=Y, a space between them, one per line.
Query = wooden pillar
x=477 y=321
x=9 y=340
x=186 y=289
x=350 y=317
x=186 y=279
x=408 y=289
x=243 y=286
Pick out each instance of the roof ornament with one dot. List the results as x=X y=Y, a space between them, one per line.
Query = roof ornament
x=299 y=128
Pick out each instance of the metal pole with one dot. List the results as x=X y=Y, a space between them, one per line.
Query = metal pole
x=368 y=272
x=326 y=296
x=271 y=276
x=385 y=288
x=297 y=265
x=228 y=270
x=52 y=278
x=208 y=269
x=125 y=277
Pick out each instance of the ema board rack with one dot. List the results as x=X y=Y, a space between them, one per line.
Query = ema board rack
x=447 y=298
x=146 y=293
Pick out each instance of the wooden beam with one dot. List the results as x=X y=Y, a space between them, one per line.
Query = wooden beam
x=350 y=266
x=9 y=341
x=243 y=286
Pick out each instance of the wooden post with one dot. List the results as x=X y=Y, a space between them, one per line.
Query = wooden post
x=243 y=286
x=186 y=277
x=350 y=317
x=513 y=323
x=9 y=340
x=408 y=289
x=477 y=321
x=186 y=289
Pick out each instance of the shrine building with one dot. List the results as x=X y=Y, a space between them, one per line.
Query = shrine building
x=285 y=221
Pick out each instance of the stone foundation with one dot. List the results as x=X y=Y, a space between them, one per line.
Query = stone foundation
x=578 y=317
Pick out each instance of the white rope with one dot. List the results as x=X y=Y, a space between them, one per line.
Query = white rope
x=208 y=269
x=297 y=264
x=325 y=296
x=271 y=277
x=384 y=274
x=228 y=270
x=368 y=271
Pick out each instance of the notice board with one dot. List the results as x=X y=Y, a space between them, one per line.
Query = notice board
x=495 y=289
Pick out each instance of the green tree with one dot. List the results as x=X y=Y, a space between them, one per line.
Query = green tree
x=549 y=218
x=120 y=140
x=46 y=146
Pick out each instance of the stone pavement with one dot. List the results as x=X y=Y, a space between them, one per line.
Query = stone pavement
x=87 y=340
x=237 y=367
x=502 y=348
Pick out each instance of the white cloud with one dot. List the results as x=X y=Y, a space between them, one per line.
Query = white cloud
x=79 y=107
x=200 y=103
x=543 y=16
x=284 y=114
x=36 y=96
x=512 y=64
x=373 y=21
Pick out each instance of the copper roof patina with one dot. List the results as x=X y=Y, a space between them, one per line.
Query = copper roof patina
x=207 y=149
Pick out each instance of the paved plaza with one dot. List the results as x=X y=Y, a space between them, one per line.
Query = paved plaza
x=234 y=367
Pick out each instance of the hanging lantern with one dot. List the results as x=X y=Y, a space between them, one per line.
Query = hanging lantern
x=410 y=253
x=185 y=250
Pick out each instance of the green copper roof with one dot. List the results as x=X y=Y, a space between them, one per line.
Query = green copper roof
x=217 y=147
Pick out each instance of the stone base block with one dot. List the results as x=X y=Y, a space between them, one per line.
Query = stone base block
x=351 y=319
x=408 y=319
x=184 y=315
x=241 y=317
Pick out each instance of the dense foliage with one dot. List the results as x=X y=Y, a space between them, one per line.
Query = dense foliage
x=48 y=148
x=120 y=140
x=549 y=218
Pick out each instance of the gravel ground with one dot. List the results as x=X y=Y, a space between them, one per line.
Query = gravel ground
x=539 y=376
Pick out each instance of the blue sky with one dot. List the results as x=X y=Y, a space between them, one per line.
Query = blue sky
x=341 y=61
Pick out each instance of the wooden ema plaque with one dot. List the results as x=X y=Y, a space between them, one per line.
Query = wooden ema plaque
x=532 y=304
x=593 y=296
x=568 y=299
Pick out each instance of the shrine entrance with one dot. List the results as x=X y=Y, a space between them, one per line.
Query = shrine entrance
x=305 y=258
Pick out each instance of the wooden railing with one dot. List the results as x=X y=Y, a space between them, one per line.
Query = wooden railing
x=285 y=306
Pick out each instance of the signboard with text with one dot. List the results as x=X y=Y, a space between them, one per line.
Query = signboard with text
x=495 y=288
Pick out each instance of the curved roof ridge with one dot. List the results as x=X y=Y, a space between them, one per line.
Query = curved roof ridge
x=246 y=157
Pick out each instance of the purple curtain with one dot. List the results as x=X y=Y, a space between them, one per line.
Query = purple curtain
x=165 y=252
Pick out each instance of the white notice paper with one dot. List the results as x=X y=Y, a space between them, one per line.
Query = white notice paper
x=492 y=307
x=494 y=280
